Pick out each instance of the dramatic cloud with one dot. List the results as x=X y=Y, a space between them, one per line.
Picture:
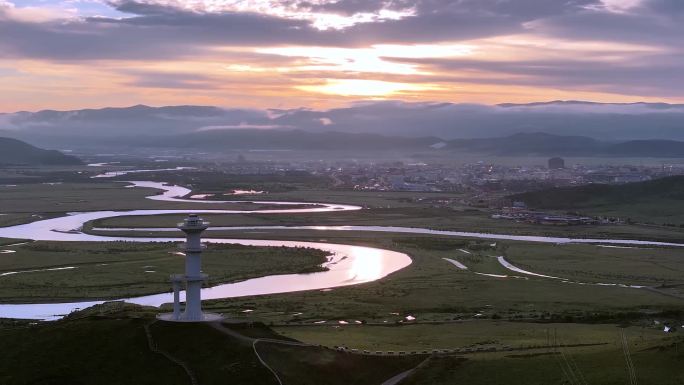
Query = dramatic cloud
x=321 y=53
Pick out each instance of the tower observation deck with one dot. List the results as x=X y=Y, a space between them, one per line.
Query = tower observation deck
x=192 y=226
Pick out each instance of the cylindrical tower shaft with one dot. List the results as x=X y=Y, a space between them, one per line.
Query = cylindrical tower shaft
x=193 y=226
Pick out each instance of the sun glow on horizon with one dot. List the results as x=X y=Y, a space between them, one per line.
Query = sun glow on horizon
x=328 y=53
x=374 y=59
x=362 y=87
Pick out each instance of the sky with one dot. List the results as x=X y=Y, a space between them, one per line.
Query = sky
x=73 y=54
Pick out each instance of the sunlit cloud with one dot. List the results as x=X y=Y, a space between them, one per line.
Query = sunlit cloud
x=36 y=14
x=243 y=68
x=341 y=59
x=327 y=53
x=530 y=46
x=299 y=10
x=617 y=6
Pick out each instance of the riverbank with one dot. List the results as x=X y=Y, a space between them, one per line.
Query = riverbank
x=45 y=271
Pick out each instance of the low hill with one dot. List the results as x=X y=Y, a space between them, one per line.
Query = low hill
x=16 y=152
x=532 y=144
x=660 y=200
x=299 y=140
x=543 y=144
x=655 y=148
x=521 y=144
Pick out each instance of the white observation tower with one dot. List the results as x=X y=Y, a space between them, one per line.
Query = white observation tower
x=192 y=226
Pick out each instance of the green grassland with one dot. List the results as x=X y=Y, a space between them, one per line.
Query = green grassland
x=25 y=203
x=436 y=290
x=109 y=345
x=452 y=307
x=473 y=334
x=376 y=199
x=313 y=366
x=661 y=365
x=103 y=270
x=637 y=266
x=216 y=182
x=29 y=202
x=10 y=241
x=470 y=220
x=408 y=209
x=432 y=289
x=12 y=219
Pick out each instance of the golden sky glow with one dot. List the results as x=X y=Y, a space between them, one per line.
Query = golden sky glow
x=361 y=87
x=277 y=54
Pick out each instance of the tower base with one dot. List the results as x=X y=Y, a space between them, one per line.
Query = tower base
x=206 y=317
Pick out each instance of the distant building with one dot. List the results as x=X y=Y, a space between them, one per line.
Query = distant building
x=520 y=205
x=556 y=163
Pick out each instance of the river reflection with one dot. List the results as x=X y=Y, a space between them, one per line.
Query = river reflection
x=352 y=265
x=367 y=263
x=349 y=264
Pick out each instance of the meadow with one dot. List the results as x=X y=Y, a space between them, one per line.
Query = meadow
x=68 y=271
x=147 y=352
x=430 y=286
x=38 y=201
x=450 y=307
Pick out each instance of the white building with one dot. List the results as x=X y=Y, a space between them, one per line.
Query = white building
x=192 y=226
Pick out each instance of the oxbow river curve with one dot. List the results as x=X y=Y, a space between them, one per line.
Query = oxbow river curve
x=347 y=264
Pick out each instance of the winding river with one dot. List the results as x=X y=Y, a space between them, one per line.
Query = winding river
x=347 y=264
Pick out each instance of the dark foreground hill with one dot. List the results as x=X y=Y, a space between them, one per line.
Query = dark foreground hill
x=115 y=344
x=16 y=152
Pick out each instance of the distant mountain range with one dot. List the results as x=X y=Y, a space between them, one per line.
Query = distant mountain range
x=604 y=121
x=528 y=144
x=299 y=140
x=16 y=152
x=520 y=144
